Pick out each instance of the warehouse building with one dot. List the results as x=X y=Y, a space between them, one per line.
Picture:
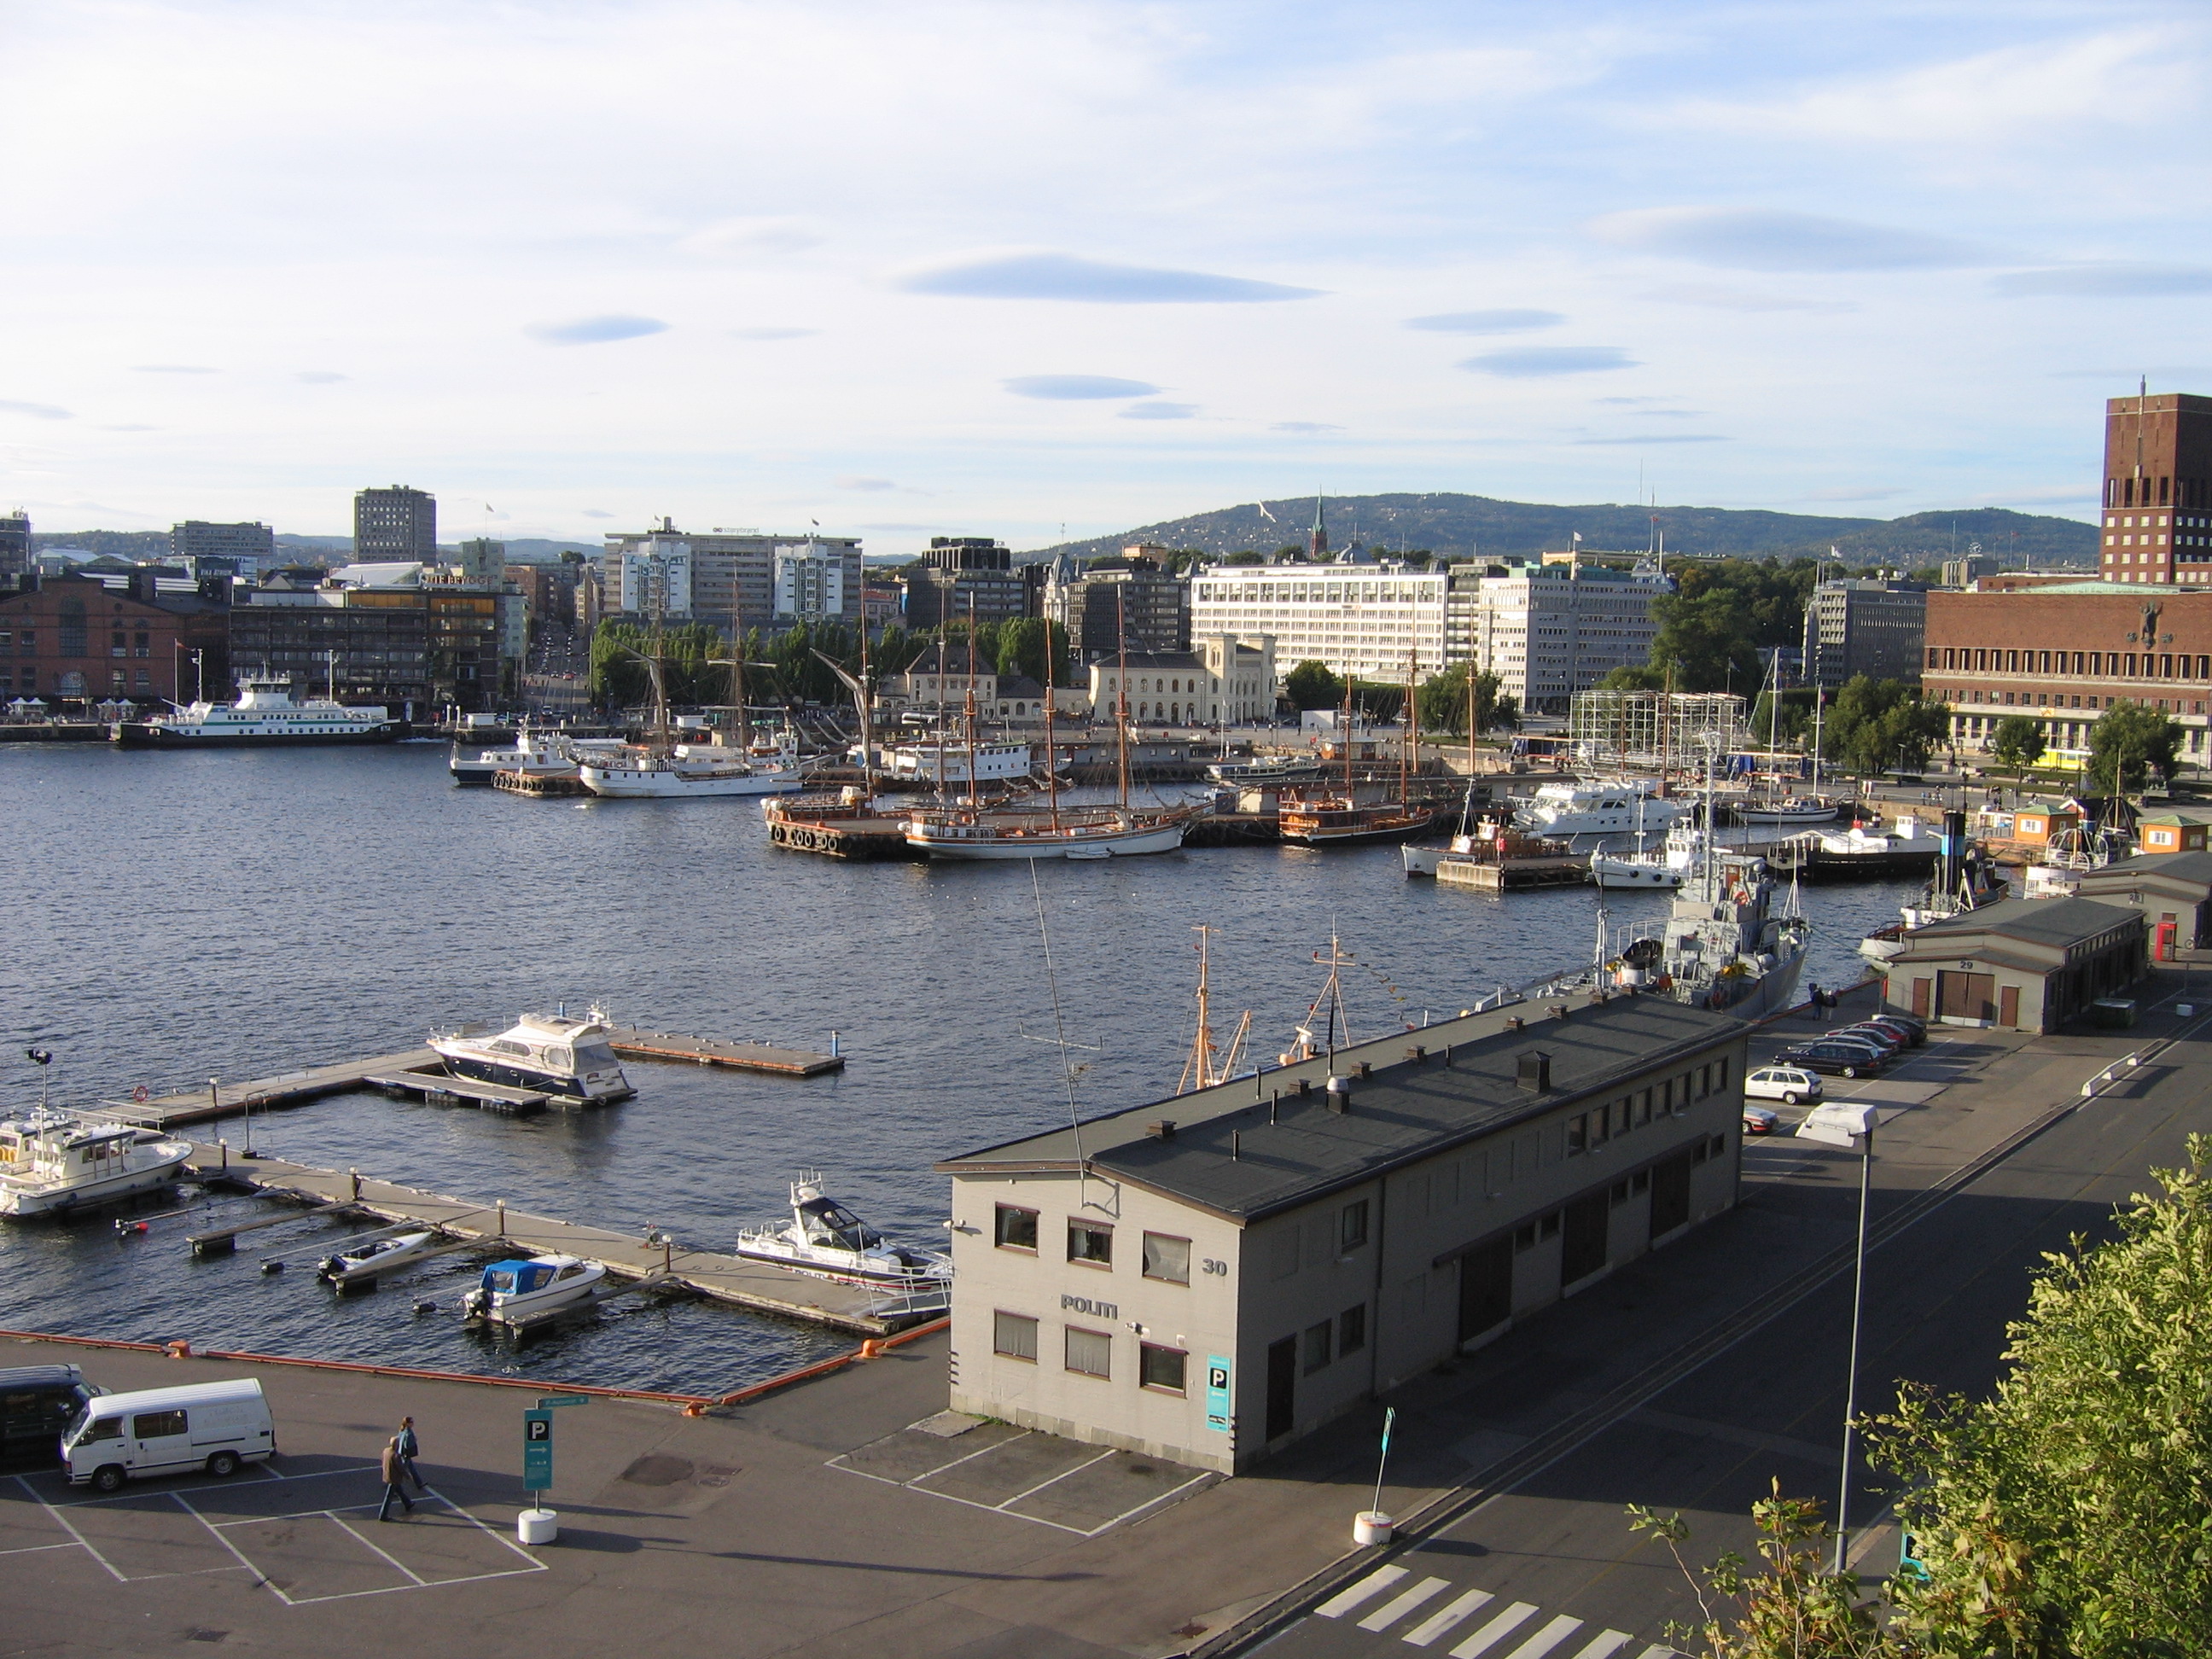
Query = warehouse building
x=1207 y=1278
x=2023 y=964
x=2174 y=890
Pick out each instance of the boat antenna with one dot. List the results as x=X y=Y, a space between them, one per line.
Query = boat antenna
x=1059 y=1036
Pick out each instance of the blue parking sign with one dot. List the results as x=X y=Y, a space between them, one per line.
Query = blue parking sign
x=1217 y=1393
x=537 y=1450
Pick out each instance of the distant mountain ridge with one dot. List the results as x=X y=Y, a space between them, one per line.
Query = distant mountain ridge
x=1466 y=526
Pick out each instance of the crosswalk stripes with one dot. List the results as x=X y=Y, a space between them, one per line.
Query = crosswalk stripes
x=1503 y=1637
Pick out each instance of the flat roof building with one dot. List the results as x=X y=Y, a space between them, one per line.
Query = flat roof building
x=1860 y=626
x=723 y=577
x=2023 y=964
x=1210 y=1277
x=1361 y=619
x=2173 y=890
x=395 y=524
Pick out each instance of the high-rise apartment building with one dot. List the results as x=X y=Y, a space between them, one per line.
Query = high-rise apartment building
x=732 y=573
x=1128 y=603
x=1362 y=619
x=1549 y=630
x=395 y=525
x=809 y=582
x=243 y=551
x=1862 y=625
x=2158 y=490
x=14 y=542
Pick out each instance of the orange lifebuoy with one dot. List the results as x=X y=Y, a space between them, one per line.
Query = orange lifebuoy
x=140 y=1094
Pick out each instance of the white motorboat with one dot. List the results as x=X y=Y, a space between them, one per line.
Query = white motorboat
x=517 y=1289
x=534 y=754
x=551 y=1054
x=53 y=1162
x=1790 y=809
x=1667 y=865
x=930 y=766
x=690 y=772
x=827 y=1240
x=266 y=715
x=358 y=1263
x=1262 y=769
x=1630 y=807
x=1095 y=832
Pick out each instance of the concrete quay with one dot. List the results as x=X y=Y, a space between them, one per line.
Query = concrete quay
x=837 y=1517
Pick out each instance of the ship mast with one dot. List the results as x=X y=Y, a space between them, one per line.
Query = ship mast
x=1051 y=771
x=1409 y=739
x=1348 y=795
x=1202 y=1070
x=1122 y=698
x=974 y=794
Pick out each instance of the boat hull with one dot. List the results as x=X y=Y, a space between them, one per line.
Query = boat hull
x=626 y=784
x=25 y=1199
x=1773 y=992
x=518 y=1077
x=1112 y=843
x=843 y=1272
x=1611 y=873
x=141 y=734
x=1359 y=835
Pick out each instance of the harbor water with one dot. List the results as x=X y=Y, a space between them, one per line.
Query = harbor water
x=236 y=914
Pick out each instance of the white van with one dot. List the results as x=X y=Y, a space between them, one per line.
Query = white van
x=214 y=1427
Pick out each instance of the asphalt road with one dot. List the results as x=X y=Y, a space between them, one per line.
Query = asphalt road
x=1549 y=1570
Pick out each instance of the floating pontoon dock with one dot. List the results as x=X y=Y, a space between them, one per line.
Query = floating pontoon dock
x=759 y=1286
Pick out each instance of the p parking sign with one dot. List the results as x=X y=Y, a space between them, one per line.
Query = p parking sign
x=537 y=1450
x=1217 y=1393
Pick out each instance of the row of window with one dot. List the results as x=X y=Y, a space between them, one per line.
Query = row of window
x=1587 y=1131
x=1163 y=1256
x=2104 y=665
x=2038 y=699
x=1090 y=1353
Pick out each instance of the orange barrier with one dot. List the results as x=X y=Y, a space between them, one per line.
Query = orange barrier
x=871 y=1349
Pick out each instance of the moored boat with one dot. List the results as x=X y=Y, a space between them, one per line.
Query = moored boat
x=1629 y=806
x=266 y=715
x=825 y=1239
x=551 y=1054
x=358 y=1263
x=53 y=1162
x=520 y=1289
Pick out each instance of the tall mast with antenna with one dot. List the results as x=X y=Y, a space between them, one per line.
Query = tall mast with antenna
x=1201 y=1063
x=1122 y=698
x=1051 y=766
x=974 y=792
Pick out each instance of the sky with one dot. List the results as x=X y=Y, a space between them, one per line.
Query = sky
x=1054 y=268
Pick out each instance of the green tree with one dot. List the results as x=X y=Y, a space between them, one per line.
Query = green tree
x=618 y=679
x=1022 y=649
x=1244 y=555
x=1443 y=702
x=1876 y=724
x=1788 y=717
x=1631 y=678
x=1710 y=629
x=1311 y=685
x=2070 y=1513
x=2018 y=741
x=2129 y=741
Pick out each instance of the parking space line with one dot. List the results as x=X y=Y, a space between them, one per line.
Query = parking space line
x=536 y=1565
x=1452 y=1613
x=261 y=1580
x=129 y=1492
x=32 y=1549
x=386 y=1553
x=435 y=1583
x=1142 y=1507
x=838 y=1462
x=1062 y=1475
x=63 y=1522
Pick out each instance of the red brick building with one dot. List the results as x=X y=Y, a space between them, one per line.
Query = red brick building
x=72 y=638
x=2157 y=516
x=2064 y=652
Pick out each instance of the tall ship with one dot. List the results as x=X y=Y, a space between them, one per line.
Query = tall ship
x=1338 y=817
x=53 y=1162
x=267 y=715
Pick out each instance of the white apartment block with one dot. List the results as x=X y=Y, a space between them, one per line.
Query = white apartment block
x=653 y=579
x=731 y=573
x=1362 y=619
x=1549 y=631
x=809 y=582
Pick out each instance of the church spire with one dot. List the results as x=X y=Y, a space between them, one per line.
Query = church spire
x=1317 y=540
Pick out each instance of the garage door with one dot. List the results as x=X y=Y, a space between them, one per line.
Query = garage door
x=1965 y=996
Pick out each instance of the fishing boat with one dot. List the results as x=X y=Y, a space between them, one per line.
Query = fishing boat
x=1263 y=770
x=359 y=1263
x=552 y=1053
x=1667 y=865
x=266 y=715
x=1495 y=839
x=516 y=1290
x=1627 y=807
x=1788 y=809
x=53 y=1161
x=827 y=1240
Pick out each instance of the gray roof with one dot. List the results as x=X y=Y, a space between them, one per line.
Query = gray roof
x=1406 y=1111
x=2183 y=866
x=2039 y=921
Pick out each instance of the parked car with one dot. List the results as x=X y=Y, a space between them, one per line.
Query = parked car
x=36 y=1404
x=1758 y=1121
x=1914 y=1031
x=215 y=1426
x=1881 y=1036
x=1839 y=1058
x=1787 y=1084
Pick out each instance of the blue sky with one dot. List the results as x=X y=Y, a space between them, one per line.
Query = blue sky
x=924 y=268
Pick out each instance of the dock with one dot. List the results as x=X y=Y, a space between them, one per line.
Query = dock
x=1512 y=874
x=760 y=1286
x=285 y=1089
x=633 y=1043
x=444 y=1089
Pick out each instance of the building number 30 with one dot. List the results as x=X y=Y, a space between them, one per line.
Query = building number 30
x=1213 y=1266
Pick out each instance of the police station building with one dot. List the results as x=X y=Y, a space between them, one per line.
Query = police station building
x=1207 y=1279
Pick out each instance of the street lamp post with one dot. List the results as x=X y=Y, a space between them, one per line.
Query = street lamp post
x=1847 y=1124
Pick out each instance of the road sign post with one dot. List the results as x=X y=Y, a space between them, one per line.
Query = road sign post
x=537 y=1454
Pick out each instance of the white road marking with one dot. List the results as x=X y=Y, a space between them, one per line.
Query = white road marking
x=1403 y=1603
x=1547 y=1639
x=1496 y=1630
x=1448 y=1617
x=1368 y=1587
x=1604 y=1644
x=63 y=1522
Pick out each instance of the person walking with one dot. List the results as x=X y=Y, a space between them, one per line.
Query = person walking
x=395 y=1472
x=1813 y=997
x=410 y=1450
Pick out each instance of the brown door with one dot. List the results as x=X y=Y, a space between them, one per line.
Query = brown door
x=1965 y=996
x=1922 y=990
x=1670 y=1194
x=2008 y=1006
x=1485 y=1288
x=1583 y=1249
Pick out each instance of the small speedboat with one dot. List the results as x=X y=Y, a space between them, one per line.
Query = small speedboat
x=378 y=1256
x=827 y=1240
x=514 y=1290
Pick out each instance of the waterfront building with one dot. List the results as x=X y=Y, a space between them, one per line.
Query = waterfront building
x=242 y=551
x=725 y=578
x=809 y=583
x=1364 y=620
x=1864 y=626
x=1222 y=680
x=1130 y=603
x=2171 y=884
x=15 y=542
x=2157 y=517
x=964 y=576
x=74 y=640
x=410 y=639
x=1549 y=630
x=1209 y=1278
x=2020 y=964
x=2063 y=652
x=397 y=525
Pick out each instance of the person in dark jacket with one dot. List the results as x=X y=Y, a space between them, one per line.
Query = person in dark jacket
x=395 y=1472
x=410 y=1450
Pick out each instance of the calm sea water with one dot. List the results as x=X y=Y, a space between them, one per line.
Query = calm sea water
x=182 y=916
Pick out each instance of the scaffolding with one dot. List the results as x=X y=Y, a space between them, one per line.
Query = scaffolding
x=1647 y=729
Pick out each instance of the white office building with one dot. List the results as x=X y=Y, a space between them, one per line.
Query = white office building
x=809 y=582
x=656 y=579
x=730 y=573
x=1550 y=631
x=1362 y=619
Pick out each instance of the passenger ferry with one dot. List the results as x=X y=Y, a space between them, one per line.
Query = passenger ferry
x=265 y=714
x=549 y=1053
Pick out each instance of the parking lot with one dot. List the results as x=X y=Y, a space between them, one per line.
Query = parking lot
x=303 y=1532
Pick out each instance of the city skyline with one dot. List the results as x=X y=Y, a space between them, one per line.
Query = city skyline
x=979 y=268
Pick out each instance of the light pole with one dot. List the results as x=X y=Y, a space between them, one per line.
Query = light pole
x=1845 y=1124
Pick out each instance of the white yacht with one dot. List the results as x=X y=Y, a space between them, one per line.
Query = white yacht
x=690 y=772
x=928 y=766
x=1263 y=770
x=1790 y=809
x=1668 y=866
x=534 y=754
x=516 y=1290
x=826 y=1239
x=53 y=1161
x=1563 y=811
x=551 y=1053
x=265 y=714
x=360 y=1262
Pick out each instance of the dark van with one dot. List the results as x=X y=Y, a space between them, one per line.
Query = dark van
x=36 y=1404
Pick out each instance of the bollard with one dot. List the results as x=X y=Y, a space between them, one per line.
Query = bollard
x=871 y=1349
x=502 y=1231
x=177 y=1350
x=355 y=1176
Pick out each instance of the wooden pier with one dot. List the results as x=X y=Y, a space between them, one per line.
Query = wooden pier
x=286 y=1089
x=630 y=1042
x=442 y=1088
x=760 y=1286
x=1512 y=874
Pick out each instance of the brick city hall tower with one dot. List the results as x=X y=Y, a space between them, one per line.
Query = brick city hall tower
x=2158 y=456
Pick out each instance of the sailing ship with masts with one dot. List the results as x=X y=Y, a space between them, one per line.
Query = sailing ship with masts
x=1338 y=818
x=662 y=768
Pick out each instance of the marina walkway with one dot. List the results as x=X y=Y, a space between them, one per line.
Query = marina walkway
x=758 y=1285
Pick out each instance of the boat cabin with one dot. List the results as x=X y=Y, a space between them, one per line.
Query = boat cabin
x=825 y=1221
x=524 y=1278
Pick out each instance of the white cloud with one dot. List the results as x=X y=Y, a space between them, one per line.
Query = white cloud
x=1781 y=238
x=1099 y=282
x=594 y=331
x=1716 y=298
x=36 y=411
